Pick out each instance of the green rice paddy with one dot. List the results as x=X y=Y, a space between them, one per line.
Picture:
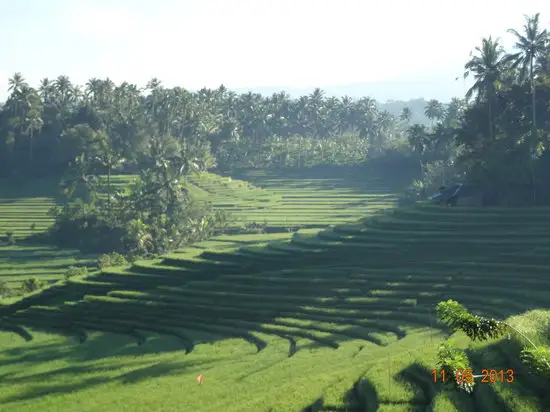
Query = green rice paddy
x=340 y=318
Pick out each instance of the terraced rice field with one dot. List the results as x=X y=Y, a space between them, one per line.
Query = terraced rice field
x=24 y=211
x=338 y=320
x=303 y=200
x=24 y=206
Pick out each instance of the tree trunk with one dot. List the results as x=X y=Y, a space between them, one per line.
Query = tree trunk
x=31 y=148
x=534 y=183
x=109 y=186
x=490 y=119
x=533 y=96
x=535 y=131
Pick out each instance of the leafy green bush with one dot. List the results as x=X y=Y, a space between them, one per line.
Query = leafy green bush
x=256 y=228
x=413 y=193
x=155 y=216
x=538 y=359
x=457 y=317
x=76 y=271
x=111 y=260
x=32 y=284
x=5 y=290
x=455 y=363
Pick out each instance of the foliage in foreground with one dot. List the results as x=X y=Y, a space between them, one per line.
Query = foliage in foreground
x=456 y=317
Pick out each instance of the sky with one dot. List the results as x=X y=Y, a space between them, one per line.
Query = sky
x=250 y=43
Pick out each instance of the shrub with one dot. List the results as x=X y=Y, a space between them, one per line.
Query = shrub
x=31 y=285
x=76 y=271
x=5 y=290
x=10 y=238
x=457 y=317
x=257 y=228
x=111 y=259
x=455 y=362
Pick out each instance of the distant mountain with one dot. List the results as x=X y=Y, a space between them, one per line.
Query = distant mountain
x=417 y=107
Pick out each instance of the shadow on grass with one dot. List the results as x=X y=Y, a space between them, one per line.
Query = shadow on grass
x=503 y=355
x=363 y=396
x=40 y=391
x=15 y=190
x=142 y=371
x=356 y=179
x=196 y=308
x=182 y=294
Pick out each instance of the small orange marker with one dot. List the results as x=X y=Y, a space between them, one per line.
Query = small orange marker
x=199 y=379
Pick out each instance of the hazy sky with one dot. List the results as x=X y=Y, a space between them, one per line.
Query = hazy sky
x=249 y=43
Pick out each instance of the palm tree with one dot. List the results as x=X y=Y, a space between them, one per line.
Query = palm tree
x=63 y=86
x=154 y=86
x=434 y=110
x=46 y=90
x=530 y=45
x=16 y=83
x=79 y=180
x=454 y=110
x=487 y=66
x=33 y=119
x=419 y=140
x=405 y=115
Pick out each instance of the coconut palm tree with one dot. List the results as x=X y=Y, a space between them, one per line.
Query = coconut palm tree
x=434 y=110
x=531 y=44
x=405 y=115
x=33 y=118
x=46 y=90
x=418 y=138
x=487 y=67
x=16 y=83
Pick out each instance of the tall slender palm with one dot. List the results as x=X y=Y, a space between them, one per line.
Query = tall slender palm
x=434 y=111
x=531 y=44
x=33 y=118
x=487 y=66
x=46 y=90
x=418 y=138
x=16 y=83
x=454 y=110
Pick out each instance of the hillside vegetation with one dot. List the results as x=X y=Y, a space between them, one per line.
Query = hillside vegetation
x=172 y=250
x=309 y=200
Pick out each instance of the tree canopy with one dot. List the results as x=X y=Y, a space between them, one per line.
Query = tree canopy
x=495 y=138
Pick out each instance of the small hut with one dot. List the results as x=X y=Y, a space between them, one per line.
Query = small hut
x=458 y=195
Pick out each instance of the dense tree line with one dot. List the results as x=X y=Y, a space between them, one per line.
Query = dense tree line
x=45 y=128
x=500 y=141
x=497 y=138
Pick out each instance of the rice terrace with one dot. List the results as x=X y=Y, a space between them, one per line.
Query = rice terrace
x=169 y=250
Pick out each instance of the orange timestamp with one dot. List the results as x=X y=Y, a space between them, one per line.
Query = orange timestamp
x=466 y=375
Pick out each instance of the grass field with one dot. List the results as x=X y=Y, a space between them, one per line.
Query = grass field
x=338 y=319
